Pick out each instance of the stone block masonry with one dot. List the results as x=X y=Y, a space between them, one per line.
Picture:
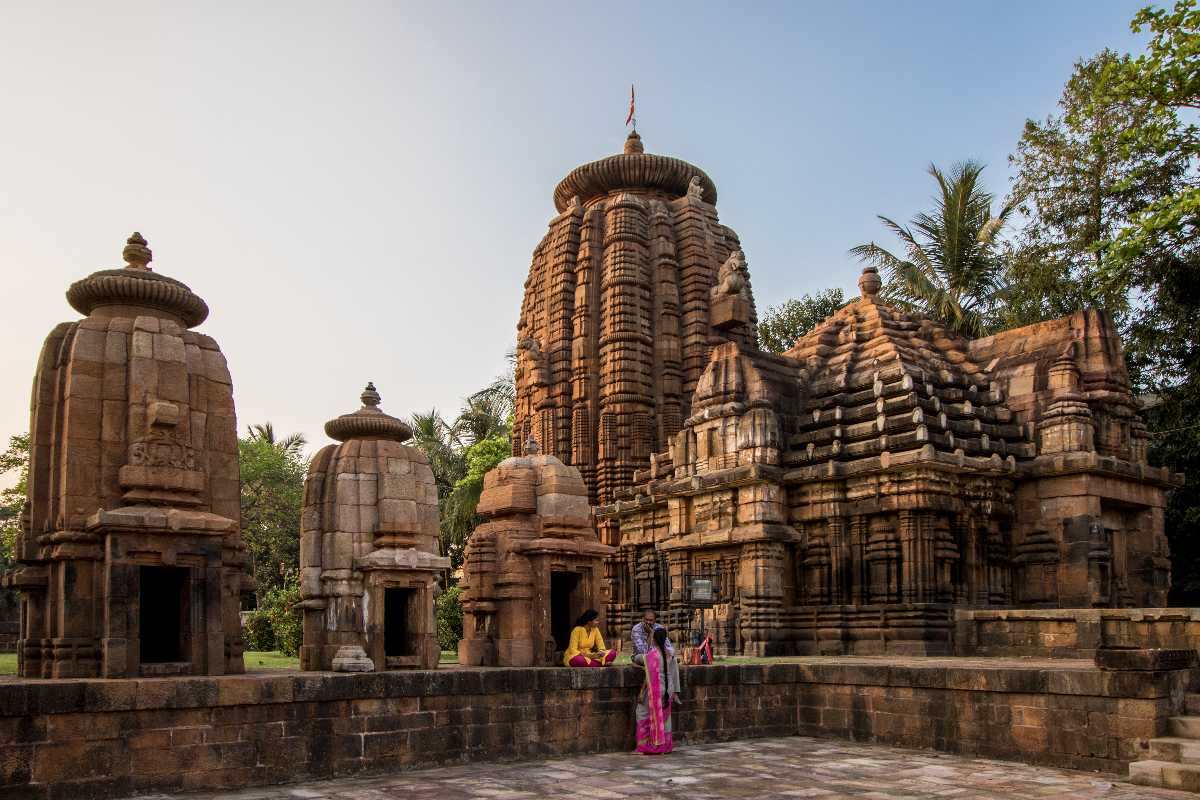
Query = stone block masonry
x=109 y=738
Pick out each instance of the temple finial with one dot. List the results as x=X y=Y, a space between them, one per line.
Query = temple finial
x=869 y=282
x=633 y=144
x=370 y=397
x=136 y=254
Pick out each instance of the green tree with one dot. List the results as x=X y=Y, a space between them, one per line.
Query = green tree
x=1156 y=256
x=952 y=269
x=1077 y=187
x=462 y=451
x=448 y=610
x=782 y=325
x=272 y=471
x=12 y=502
x=1166 y=80
x=458 y=509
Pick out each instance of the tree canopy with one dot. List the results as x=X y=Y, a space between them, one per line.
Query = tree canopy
x=782 y=325
x=951 y=269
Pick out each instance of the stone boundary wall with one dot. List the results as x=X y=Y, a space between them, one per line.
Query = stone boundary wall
x=1073 y=632
x=109 y=738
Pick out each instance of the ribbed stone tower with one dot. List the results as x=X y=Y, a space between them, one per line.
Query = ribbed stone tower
x=632 y=286
x=130 y=555
x=368 y=547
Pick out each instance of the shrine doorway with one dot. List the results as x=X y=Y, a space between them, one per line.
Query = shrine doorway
x=163 y=614
x=564 y=606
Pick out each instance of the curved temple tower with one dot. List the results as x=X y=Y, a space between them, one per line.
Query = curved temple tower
x=130 y=555
x=633 y=284
x=368 y=547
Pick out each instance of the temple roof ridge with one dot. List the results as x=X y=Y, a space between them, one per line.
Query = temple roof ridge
x=136 y=285
x=369 y=422
x=633 y=169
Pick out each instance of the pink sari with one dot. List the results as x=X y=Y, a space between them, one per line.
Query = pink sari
x=653 y=718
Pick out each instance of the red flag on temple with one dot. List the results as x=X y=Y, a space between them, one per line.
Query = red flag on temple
x=630 y=117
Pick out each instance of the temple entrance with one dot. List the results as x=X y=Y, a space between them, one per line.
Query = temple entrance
x=564 y=590
x=164 y=614
x=397 y=605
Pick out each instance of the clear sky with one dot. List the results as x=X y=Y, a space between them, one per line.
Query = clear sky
x=356 y=188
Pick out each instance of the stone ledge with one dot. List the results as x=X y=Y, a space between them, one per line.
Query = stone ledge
x=110 y=738
x=1044 y=676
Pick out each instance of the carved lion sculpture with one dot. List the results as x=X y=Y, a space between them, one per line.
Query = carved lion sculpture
x=733 y=277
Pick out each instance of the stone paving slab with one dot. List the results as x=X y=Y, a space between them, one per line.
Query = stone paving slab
x=792 y=767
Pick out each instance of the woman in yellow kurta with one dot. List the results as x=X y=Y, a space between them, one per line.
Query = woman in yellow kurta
x=587 y=645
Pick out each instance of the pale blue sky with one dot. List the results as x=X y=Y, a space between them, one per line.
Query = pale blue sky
x=356 y=188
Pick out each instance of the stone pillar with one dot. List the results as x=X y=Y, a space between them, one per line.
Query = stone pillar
x=760 y=579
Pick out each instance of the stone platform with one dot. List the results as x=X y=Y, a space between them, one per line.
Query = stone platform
x=763 y=769
x=107 y=738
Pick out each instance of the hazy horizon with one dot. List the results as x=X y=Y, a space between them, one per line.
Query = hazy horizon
x=356 y=190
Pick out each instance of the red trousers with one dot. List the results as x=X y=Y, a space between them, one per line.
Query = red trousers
x=583 y=661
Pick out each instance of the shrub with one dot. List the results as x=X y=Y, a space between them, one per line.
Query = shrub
x=449 y=618
x=257 y=632
x=287 y=622
x=276 y=624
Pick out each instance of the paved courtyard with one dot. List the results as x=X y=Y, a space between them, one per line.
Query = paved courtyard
x=793 y=767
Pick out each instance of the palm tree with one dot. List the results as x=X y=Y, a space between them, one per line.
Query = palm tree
x=951 y=271
x=436 y=438
x=265 y=432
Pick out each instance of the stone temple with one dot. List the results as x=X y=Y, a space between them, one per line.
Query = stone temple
x=130 y=554
x=616 y=325
x=533 y=567
x=849 y=495
x=368 y=547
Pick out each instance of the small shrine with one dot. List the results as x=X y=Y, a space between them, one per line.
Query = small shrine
x=130 y=560
x=369 y=559
x=533 y=567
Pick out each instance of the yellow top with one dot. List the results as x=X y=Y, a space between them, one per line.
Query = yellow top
x=583 y=640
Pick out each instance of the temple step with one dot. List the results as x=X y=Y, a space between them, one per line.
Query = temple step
x=1178 y=749
x=1166 y=774
x=1185 y=727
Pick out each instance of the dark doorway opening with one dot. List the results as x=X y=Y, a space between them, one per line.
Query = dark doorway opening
x=164 y=614
x=397 y=605
x=563 y=606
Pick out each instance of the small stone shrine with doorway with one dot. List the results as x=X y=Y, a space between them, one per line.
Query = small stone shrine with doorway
x=533 y=567
x=130 y=560
x=368 y=548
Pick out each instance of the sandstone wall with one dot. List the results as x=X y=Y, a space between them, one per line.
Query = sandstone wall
x=93 y=738
x=1073 y=633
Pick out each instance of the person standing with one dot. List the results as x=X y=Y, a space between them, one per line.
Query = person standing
x=643 y=636
x=654 y=736
x=587 y=645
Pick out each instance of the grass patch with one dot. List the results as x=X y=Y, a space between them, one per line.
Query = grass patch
x=269 y=659
x=8 y=663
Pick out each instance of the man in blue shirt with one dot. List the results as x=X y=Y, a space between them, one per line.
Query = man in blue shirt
x=643 y=639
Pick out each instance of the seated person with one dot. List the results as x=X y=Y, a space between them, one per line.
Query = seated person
x=643 y=636
x=587 y=645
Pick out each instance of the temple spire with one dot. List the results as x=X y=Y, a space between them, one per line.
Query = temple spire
x=136 y=254
x=633 y=144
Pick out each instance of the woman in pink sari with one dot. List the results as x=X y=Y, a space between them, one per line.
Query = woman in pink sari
x=654 y=701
